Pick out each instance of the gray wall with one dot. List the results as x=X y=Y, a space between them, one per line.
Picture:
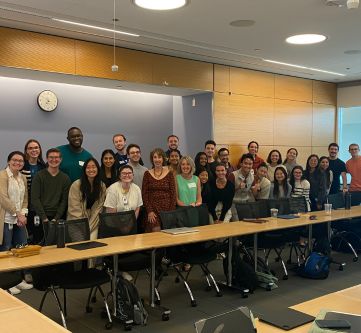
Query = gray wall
x=193 y=124
x=146 y=119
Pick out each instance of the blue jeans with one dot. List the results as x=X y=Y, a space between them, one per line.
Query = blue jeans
x=12 y=237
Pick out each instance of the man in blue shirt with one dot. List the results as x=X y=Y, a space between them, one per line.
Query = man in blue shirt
x=119 y=142
x=73 y=154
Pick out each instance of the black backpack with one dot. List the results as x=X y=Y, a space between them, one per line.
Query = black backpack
x=130 y=308
x=243 y=275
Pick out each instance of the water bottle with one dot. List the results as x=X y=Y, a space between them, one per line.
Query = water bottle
x=60 y=240
x=348 y=200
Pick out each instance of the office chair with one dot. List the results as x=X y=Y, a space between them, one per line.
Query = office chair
x=194 y=254
x=343 y=234
x=69 y=276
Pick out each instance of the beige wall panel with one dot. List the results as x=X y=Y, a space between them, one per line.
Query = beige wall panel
x=221 y=78
x=239 y=119
x=292 y=123
x=320 y=151
x=254 y=83
x=293 y=88
x=176 y=72
x=324 y=121
x=324 y=92
x=303 y=153
x=30 y=50
x=96 y=60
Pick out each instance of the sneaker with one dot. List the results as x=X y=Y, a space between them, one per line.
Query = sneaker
x=14 y=291
x=28 y=278
x=127 y=276
x=24 y=286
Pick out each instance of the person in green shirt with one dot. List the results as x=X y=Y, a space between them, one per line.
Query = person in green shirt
x=188 y=186
x=50 y=188
x=73 y=154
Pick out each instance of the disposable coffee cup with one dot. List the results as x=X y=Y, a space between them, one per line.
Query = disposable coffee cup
x=328 y=208
x=274 y=212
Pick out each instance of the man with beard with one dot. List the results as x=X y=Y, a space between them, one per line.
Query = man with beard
x=338 y=169
x=73 y=154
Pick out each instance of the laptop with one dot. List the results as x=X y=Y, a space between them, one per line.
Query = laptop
x=179 y=231
x=239 y=320
x=353 y=319
x=285 y=318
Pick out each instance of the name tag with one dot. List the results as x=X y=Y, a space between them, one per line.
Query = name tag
x=81 y=163
x=192 y=185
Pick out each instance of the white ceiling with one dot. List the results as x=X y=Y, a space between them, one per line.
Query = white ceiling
x=201 y=31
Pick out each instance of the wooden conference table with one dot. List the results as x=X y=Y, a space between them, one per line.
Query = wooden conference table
x=347 y=300
x=152 y=241
x=18 y=317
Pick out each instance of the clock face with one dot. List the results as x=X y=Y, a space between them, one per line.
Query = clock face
x=47 y=101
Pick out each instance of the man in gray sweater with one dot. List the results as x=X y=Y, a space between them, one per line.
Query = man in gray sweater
x=50 y=188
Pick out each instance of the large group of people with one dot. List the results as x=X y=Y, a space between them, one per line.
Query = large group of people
x=72 y=184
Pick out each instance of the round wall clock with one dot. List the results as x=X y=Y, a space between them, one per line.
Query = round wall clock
x=47 y=100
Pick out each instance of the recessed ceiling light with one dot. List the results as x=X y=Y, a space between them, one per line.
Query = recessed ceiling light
x=242 y=23
x=306 y=39
x=161 y=4
x=302 y=67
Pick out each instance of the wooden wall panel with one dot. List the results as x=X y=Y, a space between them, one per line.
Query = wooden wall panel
x=176 y=72
x=239 y=119
x=221 y=78
x=30 y=50
x=96 y=60
x=324 y=122
x=320 y=151
x=293 y=88
x=292 y=123
x=254 y=83
x=324 y=92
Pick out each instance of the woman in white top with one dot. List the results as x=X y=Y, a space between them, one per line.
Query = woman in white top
x=300 y=185
x=13 y=203
x=291 y=160
x=324 y=165
x=274 y=160
x=124 y=195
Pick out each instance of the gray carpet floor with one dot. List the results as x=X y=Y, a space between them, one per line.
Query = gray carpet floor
x=290 y=292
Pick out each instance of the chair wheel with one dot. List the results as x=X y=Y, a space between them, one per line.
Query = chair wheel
x=165 y=317
x=219 y=294
x=88 y=309
x=285 y=277
x=268 y=288
x=127 y=327
x=208 y=288
x=193 y=303
x=93 y=299
x=340 y=268
x=176 y=279
x=108 y=326
x=244 y=294
x=157 y=302
x=354 y=259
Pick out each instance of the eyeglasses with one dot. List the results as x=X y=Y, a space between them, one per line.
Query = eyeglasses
x=126 y=173
x=17 y=161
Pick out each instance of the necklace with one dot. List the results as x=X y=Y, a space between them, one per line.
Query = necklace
x=159 y=175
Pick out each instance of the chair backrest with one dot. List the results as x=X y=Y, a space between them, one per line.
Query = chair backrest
x=203 y=214
x=355 y=198
x=337 y=200
x=75 y=231
x=174 y=218
x=298 y=205
x=252 y=210
x=283 y=205
x=117 y=224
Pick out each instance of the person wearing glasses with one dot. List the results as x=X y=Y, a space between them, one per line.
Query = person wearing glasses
x=135 y=156
x=86 y=196
x=13 y=208
x=124 y=195
x=50 y=188
x=353 y=166
x=33 y=164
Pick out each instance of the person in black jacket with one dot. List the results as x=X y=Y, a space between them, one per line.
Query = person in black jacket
x=221 y=196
